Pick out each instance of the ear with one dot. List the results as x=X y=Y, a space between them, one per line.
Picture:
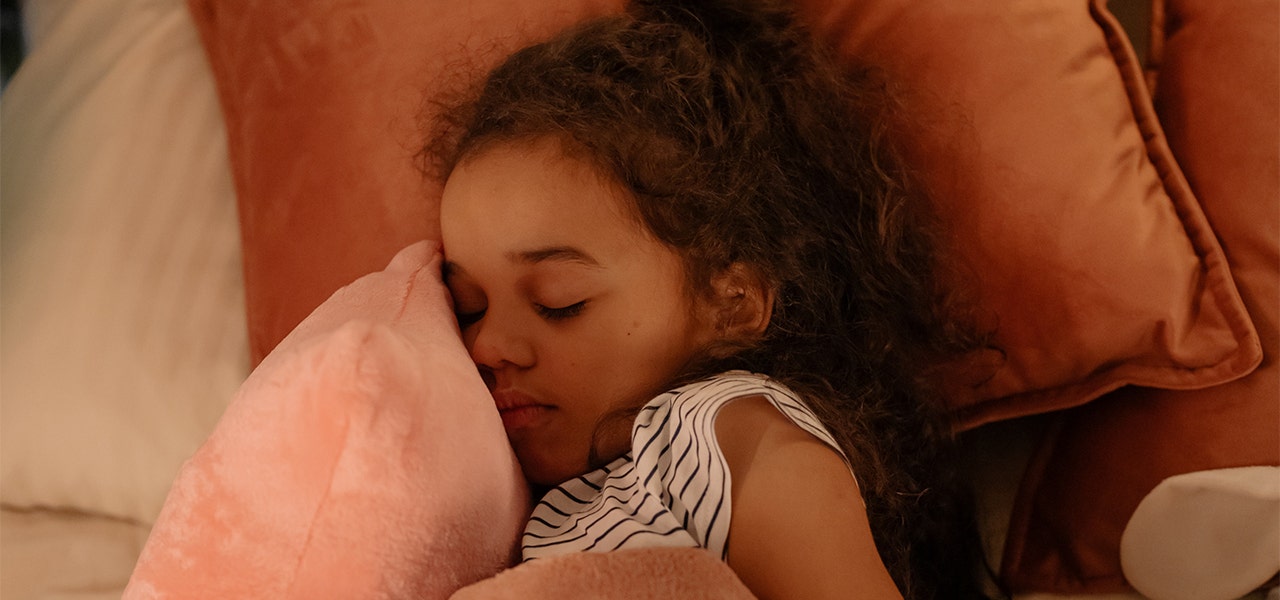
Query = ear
x=742 y=302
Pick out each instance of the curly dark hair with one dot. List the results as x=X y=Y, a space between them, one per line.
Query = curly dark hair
x=742 y=141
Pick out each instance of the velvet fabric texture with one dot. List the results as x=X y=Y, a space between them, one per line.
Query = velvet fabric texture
x=1218 y=96
x=1089 y=255
x=325 y=102
x=643 y=574
x=363 y=458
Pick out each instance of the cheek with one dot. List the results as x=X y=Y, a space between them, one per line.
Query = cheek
x=601 y=362
x=655 y=344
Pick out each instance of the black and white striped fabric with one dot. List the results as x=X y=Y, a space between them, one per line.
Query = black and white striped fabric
x=672 y=489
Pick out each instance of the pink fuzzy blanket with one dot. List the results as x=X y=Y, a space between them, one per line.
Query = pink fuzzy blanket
x=645 y=574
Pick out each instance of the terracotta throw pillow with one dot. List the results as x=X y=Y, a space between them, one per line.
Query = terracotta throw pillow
x=325 y=102
x=1218 y=96
x=1089 y=253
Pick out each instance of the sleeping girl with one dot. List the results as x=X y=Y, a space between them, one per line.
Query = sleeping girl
x=700 y=283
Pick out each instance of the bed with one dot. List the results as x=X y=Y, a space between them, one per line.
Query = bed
x=183 y=182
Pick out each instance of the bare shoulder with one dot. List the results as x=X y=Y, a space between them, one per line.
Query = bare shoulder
x=748 y=424
x=798 y=527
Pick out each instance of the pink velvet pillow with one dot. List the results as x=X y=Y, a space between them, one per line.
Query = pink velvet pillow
x=637 y=574
x=362 y=459
x=1090 y=255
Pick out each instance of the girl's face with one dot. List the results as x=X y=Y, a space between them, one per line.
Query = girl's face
x=568 y=306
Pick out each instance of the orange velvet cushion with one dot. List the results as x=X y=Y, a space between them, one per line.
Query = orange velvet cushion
x=1089 y=252
x=1091 y=255
x=324 y=104
x=1218 y=96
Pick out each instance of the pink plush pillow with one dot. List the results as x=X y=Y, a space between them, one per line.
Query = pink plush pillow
x=638 y=574
x=362 y=459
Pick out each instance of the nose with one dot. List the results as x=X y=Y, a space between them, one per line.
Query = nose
x=497 y=343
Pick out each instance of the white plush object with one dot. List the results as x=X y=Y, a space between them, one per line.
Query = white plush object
x=1211 y=535
x=122 y=306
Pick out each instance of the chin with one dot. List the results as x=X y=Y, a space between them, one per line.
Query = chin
x=543 y=473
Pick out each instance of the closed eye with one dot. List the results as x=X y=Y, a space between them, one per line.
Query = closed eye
x=561 y=313
x=467 y=319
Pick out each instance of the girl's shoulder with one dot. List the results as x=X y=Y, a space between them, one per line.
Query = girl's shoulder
x=716 y=390
x=691 y=409
x=678 y=454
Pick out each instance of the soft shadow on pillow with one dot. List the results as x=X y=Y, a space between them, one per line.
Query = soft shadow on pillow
x=363 y=458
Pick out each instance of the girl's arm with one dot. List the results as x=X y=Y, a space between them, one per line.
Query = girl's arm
x=798 y=528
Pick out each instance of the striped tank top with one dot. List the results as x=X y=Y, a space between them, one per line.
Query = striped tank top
x=672 y=489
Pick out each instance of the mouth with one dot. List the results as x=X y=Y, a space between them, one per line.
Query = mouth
x=518 y=410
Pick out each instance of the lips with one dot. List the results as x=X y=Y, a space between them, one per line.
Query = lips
x=519 y=410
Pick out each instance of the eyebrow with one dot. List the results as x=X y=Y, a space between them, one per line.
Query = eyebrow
x=565 y=254
x=562 y=254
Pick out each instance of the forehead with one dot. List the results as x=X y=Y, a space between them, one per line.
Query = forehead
x=512 y=197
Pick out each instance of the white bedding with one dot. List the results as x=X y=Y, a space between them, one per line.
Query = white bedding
x=122 y=307
x=123 y=314
x=66 y=556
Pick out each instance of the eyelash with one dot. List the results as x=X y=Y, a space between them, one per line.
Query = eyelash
x=466 y=320
x=547 y=312
x=560 y=314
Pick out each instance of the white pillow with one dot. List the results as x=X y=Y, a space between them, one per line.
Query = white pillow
x=1206 y=535
x=122 y=306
